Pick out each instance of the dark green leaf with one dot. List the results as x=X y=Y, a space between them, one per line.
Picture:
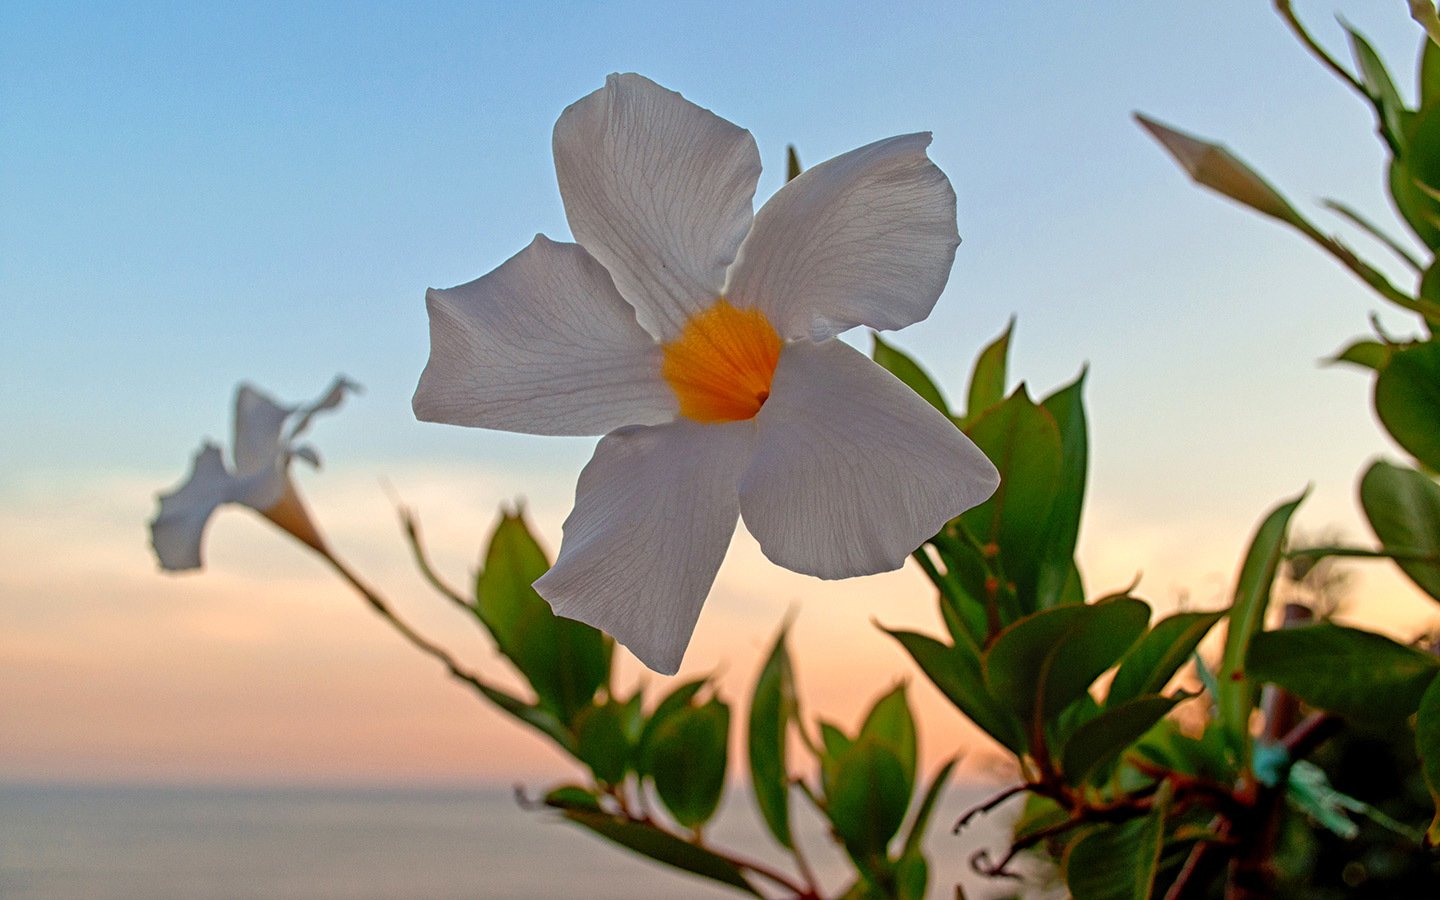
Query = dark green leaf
x=890 y=724
x=565 y=661
x=1038 y=814
x=673 y=702
x=792 y=163
x=912 y=874
x=650 y=841
x=1023 y=441
x=573 y=797
x=1118 y=862
x=868 y=799
x=956 y=671
x=1427 y=745
x=1357 y=674
x=1235 y=696
x=1155 y=659
x=1407 y=399
x=1100 y=741
x=1046 y=661
x=688 y=759
x=834 y=744
x=1366 y=354
x=1429 y=75
x=915 y=839
x=772 y=708
x=1058 y=581
x=1403 y=507
x=907 y=370
x=987 y=380
x=601 y=741
x=1203 y=757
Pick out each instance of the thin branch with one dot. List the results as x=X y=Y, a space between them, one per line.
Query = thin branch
x=1399 y=554
x=1370 y=228
x=411 y=525
x=1312 y=731
x=988 y=805
x=1283 y=8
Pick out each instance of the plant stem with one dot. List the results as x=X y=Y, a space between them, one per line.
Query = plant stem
x=411 y=525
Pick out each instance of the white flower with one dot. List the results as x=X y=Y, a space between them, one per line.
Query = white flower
x=700 y=340
x=262 y=451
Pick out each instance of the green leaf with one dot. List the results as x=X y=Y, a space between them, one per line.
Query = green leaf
x=1118 y=862
x=1235 y=696
x=912 y=874
x=1429 y=75
x=673 y=702
x=1215 y=167
x=987 y=380
x=565 y=661
x=907 y=370
x=1356 y=674
x=572 y=796
x=1037 y=814
x=647 y=840
x=1407 y=399
x=1202 y=757
x=868 y=799
x=1046 y=661
x=1058 y=581
x=890 y=724
x=1427 y=745
x=956 y=671
x=1099 y=742
x=1155 y=659
x=1403 y=507
x=1380 y=88
x=772 y=707
x=1419 y=210
x=687 y=762
x=601 y=741
x=915 y=839
x=1364 y=353
x=792 y=163
x=1022 y=439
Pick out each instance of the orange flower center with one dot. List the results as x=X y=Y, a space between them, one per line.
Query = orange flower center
x=721 y=364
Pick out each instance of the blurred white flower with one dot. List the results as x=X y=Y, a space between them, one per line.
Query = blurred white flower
x=699 y=338
x=264 y=443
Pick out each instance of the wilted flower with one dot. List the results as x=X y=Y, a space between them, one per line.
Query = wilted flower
x=700 y=340
x=264 y=443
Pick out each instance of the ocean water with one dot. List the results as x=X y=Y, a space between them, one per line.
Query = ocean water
x=188 y=843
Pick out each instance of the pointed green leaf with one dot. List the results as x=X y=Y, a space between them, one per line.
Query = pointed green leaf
x=957 y=672
x=647 y=840
x=1364 y=353
x=1155 y=659
x=573 y=797
x=1235 y=696
x=565 y=661
x=1407 y=399
x=1380 y=88
x=1046 y=661
x=673 y=702
x=915 y=839
x=688 y=759
x=987 y=380
x=1356 y=674
x=907 y=370
x=1427 y=745
x=868 y=799
x=1099 y=742
x=792 y=163
x=1118 y=862
x=1429 y=75
x=772 y=708
x=1058 y=581
x=1403 y=507
x=890 y=724
x=1023 y=441
x=601 y=742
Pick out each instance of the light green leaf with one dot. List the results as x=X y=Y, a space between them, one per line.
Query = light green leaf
x=1419 y=210
x=1357 y=674
x=987 y=380
x=1155 y=659
x=1403 y=507
x=1118 y=862
x=907 y=370
x=661 y=846
x=1088 y=753
x=1407 y=399
x=868 y=799
x=890 y=724
x=956 y=671
x=1380 y=88
x=1366 y=354
x=565 y=661
x=772 y=707
x=688 y=760
x=1235 y=695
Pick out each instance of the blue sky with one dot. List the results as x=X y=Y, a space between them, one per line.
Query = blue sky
x=195 y=194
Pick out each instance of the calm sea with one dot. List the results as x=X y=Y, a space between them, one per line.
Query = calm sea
x=191 y=843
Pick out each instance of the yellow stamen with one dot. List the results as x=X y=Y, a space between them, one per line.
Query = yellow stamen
x=721 y=364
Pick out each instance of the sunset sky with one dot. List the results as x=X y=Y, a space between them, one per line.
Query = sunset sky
x=192 y=195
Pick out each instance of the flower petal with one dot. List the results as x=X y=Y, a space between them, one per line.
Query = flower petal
x=334 y=395
x=660 y=191
x=852 y=470
x=541 y=345
x=654 y=512
x=178 y=527
x=866 y=238
x=259 y=441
